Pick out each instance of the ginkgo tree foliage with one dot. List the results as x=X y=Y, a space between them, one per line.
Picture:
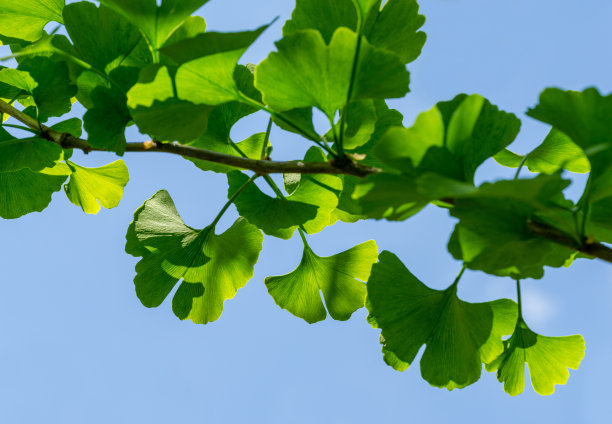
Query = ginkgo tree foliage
x=154 y=65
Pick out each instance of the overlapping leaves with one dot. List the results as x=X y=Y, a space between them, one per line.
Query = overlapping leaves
x=548 y=359
x=459 y=336
x=212 y=267
x=493 y=233
x=437 y=157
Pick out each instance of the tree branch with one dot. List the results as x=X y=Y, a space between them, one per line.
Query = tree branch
x=68 y=141
x=588 y=247
x=346 y=166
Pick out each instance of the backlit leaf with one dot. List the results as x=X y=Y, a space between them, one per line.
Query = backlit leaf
x=91 y=188
x=337 y=277
x=212 y=267
x=459 y=336
x=548 y=359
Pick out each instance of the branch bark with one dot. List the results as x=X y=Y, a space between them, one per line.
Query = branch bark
x=346 y=166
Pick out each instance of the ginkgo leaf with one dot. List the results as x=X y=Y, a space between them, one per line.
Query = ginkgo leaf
x=209 y=79
x=310 y=205
x=584 y=117
x=157 y=23
x=211 y=43
x=251 y=147
x=449 y=141
x=453 y=139
x=459 y=336
x=106 y=40
x=557 y=151
x=336 y=277
x=359 y=127
x=25 y=19
x=212 y=267
x=493 y=230
x=321 y=15
x=547 y=358
x=394 y=28
x=91 y=188
x=34 y=153
x=307 y=72
x=26 y=191
x=158 y=113
x=106 y=120
x=46 y=80
x=388 y=196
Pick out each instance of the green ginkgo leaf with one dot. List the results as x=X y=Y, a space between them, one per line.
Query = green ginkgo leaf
x=459 y=336
x=359 y=127
x=557 y=151
x=548 y=360
x=321 y=15
x=212 y=267
x=442 y=150
x=336 y=277
x=26 y=191
x=311 y=205
x=34 y=153
x=209 y=79
x=584 y=117
x=158 y=113
x=26 y=19
x=107 y=118
x=106 y=40
x=394 y=28
x=251 y=147
x=46 y=80
x=453 y=139
x=157 y=23
x=307 y=72
x=91 y=188
x=493 y=230
x=211 y=43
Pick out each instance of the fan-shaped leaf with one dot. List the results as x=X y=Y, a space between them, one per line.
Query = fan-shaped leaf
x=548 y=359
x=459 y=336
x=335 y=276
x=212 y=267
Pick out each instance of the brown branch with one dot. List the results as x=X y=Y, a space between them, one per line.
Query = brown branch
x=347 y=166
x=588 y=246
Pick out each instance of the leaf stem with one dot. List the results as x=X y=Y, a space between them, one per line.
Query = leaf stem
x=456 y=282
x=231 y=200
x=19 y=127
x=519 y=300
x=264 y=148
x=518 y=170
x=314 y=138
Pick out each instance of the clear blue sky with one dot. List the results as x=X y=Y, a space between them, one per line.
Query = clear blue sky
x=77 y=346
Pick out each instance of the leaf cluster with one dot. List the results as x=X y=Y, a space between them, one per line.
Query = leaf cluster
x=155 y=66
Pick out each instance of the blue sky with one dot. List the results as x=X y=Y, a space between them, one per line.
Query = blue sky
x=78 y=347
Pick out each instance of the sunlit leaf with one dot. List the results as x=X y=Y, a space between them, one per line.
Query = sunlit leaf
x=107 y=38
x=459 y=336
x=336 y=277
x=307 y=72
x=25 y=19
x=548 y=359
x=26 y=191
x=212 y=267
x=91 y=188
x=310 y=205
x=157 y=23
